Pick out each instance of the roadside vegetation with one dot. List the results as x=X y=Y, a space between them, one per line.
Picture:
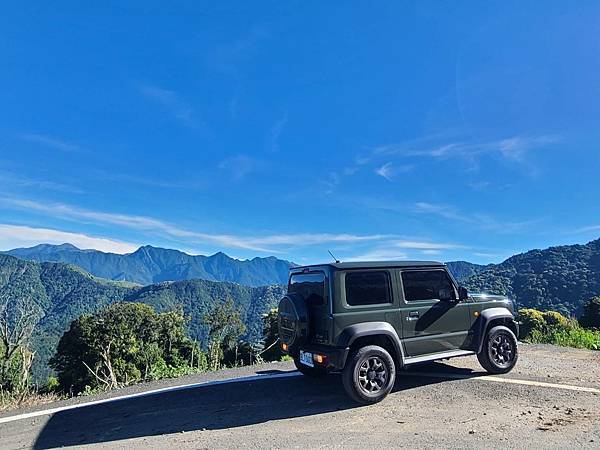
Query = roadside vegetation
x=551 y=327
x=123 y=344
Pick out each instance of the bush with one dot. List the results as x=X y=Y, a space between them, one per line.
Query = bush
x=551 y=327
x=555 y=320
x=531 y=321
x=534 y=322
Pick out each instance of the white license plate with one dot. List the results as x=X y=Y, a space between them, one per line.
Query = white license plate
x=306 y=358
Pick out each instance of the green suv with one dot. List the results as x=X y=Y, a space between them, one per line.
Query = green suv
x=367 y=320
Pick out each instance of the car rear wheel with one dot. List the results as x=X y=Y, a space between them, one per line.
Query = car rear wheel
x=313 y=372
x=369 y=375
x=499 y=352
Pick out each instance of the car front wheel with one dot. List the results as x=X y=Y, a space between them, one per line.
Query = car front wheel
x=369 y=375
x=499 y=352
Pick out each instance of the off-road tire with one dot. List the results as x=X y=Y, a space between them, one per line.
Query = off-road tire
x=499 y=352
x=362 y=368
x=313 y=372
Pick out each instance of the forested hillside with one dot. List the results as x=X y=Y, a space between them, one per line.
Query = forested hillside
x=54 y=294
x=154 y=265
x=558 y=278
x=461 y=270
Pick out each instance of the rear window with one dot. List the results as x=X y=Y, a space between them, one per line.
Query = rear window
x=425 y=284
x=367 y=288
x=309 y=286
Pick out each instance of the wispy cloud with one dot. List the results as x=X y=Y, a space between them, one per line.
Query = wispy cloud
x=276 y=131
x=475 y=219
x=12 y=179
x=159 y=182
x=389 y=170
x=50 y=142
x=379 y=254
x=588 y=229
x=173 y=103
x=239 y=166
x=12 y=236
x=445 y=211
x=512 y=148
x=270 y=243
x=385 y=171
x=425 y=245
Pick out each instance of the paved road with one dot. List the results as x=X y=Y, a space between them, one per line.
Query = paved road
x=551 y=400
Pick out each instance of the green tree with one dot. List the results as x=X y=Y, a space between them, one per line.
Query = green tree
x=591 y=313
x=18 y=318
x=226 y=325
x=122 y=344
x=271 y=349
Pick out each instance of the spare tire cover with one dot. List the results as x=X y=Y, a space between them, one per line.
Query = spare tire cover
x=292 y=320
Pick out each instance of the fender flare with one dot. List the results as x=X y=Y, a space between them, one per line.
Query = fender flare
x=486 y=317
x=359 y=330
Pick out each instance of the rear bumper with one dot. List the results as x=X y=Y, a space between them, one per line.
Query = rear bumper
x=335 y=357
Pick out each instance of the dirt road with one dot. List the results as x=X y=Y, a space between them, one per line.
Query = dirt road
x=551 y=400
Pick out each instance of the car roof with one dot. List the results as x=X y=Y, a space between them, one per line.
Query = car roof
x=374 y=264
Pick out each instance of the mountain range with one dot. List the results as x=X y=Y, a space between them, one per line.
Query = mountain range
x=149 y=265
x=54 y=294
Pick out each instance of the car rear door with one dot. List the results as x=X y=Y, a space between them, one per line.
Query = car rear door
x=433 y=320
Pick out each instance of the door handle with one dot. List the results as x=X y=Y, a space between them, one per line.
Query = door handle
x=413 y=315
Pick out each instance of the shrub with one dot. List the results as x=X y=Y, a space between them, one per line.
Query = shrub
x=531 y=321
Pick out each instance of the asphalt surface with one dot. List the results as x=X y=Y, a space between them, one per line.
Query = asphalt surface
x=550 y=400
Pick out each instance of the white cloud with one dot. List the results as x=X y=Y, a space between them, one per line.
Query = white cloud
x=12 y=179
x=445 y=211
x=378 y=255
x=385 y=244
x=389 y=171
x=431 y=252
x=13 y=236
x=275 y=132
x=426 y=245
x=172 y=102
x=512 y=148
x=51 y=142
x=385 y=171
x=149 y=224
x=588 y=229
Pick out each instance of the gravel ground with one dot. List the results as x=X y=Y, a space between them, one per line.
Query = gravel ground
x=296 y=412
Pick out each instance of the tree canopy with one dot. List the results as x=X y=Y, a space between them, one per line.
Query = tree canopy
x=122 y=344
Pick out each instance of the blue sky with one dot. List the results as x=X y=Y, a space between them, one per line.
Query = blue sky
x=436 y=130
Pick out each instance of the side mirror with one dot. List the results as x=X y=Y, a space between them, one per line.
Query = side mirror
x=462 y=294
x=446 y=295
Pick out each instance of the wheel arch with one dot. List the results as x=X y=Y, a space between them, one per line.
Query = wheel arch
x=493 y=317
x=373 y=333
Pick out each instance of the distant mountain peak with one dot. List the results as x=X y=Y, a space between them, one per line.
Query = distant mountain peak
x=149 y=264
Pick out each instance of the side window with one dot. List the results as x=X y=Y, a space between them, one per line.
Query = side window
x=427 y=285
x=367 y=288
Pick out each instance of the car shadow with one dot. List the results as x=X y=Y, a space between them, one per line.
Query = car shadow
x=210 y=407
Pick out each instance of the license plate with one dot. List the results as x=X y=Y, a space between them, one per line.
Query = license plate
x=306 y=358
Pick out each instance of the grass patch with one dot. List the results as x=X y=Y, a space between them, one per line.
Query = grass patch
x=575 y=337
x=10 y=401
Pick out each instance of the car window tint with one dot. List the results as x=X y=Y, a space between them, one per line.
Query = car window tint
x=425 y=284
x=367 y=288
x=310 y=287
